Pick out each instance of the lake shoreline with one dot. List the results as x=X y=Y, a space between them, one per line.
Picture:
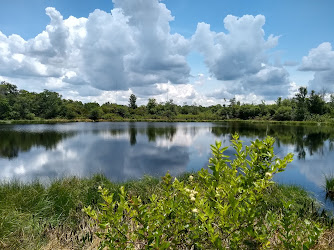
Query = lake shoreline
x=56 y=121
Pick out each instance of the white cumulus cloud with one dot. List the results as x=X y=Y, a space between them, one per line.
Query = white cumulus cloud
x=239 y=52
x=239 y=57
x=131 y=49
x=130 y=46
x=321 y=61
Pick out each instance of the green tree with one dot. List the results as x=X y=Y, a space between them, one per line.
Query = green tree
x=331 y=105
x=279 y=101
x=331 y=102
x=151 y=106
x=170 y=109
x=122 y=111
x=95 y=114
x=89 y=107
x=72 y=109
x=49 y=104
x=132 y=101
x=283 y=113
x=25 y=105
x=9 y=92
x=8 y=89
x=316 y=105
x=4 y=108
x=109 y=108
x=301 y=98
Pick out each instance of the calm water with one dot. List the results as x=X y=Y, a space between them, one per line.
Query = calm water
x=130 y=150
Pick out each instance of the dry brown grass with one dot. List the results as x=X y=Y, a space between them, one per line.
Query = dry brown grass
x=326 y=240
x=66 y=238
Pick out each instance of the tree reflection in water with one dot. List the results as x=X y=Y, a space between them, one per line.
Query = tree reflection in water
x=304 y=138
x=14 y=142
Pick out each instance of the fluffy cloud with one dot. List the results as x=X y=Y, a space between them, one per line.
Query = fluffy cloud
x=130 y=46
x=47 y=55
x=269 y=81
x=238 y=53
x=159 y=56
x=267 y=84
x=321 y=61
x=132 y=50
x=239 y=57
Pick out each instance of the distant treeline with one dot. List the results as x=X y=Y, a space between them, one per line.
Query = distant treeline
x=23 y=105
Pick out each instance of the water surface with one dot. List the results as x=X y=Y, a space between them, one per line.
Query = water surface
x=126 y=150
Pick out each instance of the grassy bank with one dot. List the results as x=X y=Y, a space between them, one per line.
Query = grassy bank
x=35 y=216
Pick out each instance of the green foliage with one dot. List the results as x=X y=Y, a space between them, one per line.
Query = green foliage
x=316 y=104
x=151 y=106
x=169 y=109
x=132 y=101
x=220 y=208
x=95 y=114
x=329 y=186
x=297 y=233
x=301 y=98
x=122 y=111
x=30 y=212
x=72 y=109
x=283 y=113
x=4 y=108
x=303 y=204
x=49 y=104
x=23 y=105
x=88 y=107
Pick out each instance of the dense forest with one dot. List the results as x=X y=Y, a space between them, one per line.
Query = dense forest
x=24 y=105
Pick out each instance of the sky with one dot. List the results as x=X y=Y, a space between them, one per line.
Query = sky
x=194 y=52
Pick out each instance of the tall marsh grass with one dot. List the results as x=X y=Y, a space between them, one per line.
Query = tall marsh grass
x=31 y=212
x=329 y=186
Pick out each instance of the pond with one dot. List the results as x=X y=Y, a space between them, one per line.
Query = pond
x=129 y=150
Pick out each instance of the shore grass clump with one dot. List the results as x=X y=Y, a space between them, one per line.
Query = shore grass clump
x=33 y=214
x=29 y=212
x=304 y=204
x=329 y=186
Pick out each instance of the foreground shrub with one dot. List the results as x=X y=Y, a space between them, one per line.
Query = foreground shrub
x=218 y=208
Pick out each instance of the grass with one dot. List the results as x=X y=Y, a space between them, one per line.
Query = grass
x=31 y=213
x=304 y=204
x=329 y=186
x=36 y=216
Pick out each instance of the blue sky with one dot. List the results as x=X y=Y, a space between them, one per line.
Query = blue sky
x=120 y=54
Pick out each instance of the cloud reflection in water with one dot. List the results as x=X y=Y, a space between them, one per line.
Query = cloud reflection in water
x=130 y=150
